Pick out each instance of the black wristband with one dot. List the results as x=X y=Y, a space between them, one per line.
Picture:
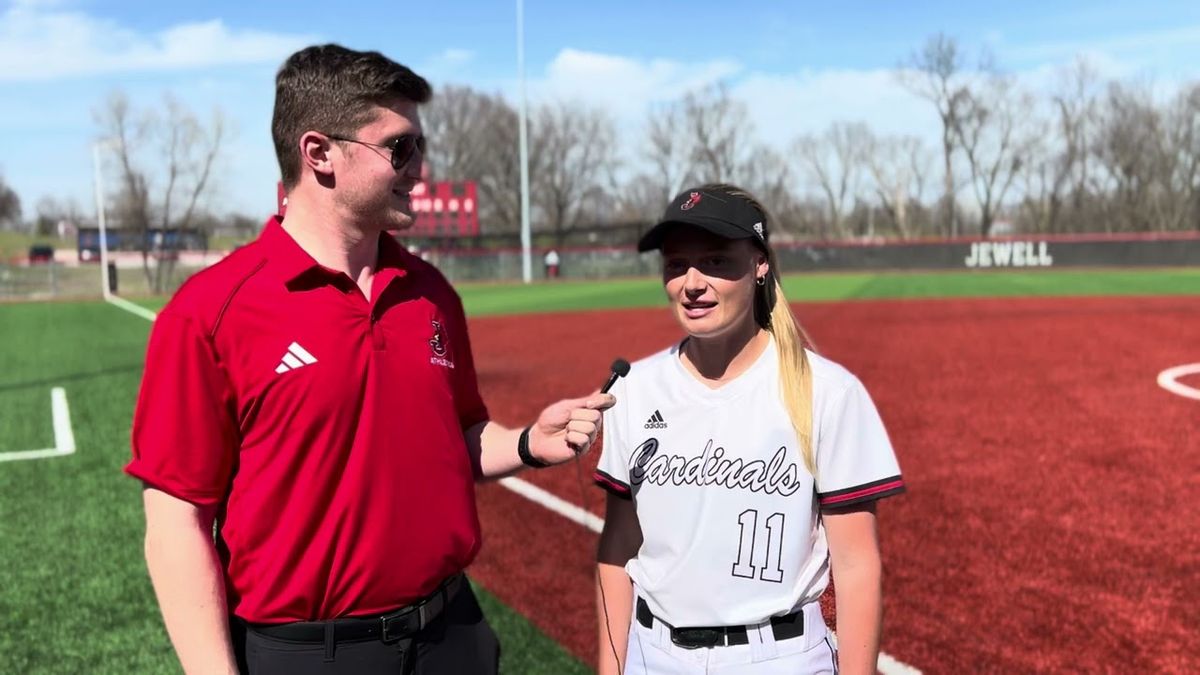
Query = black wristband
x=526 y=456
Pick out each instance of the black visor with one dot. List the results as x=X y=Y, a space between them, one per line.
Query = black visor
x=723 y=215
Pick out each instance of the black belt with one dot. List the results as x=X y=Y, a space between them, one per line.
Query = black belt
x=784 y=627
x=388 y=627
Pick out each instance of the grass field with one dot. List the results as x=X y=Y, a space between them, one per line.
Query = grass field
x=514 y=298
x=76 y=597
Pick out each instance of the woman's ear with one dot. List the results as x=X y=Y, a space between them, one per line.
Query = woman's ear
x=762 y=266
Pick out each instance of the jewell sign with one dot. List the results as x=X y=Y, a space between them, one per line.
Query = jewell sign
x=1009 y=254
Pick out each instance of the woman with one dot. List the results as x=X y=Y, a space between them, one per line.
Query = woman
x=740 y=468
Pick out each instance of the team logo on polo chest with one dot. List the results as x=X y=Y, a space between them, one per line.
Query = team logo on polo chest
x=437 y=344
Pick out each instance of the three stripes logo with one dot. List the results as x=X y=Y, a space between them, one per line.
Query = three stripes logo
x=295 y=357
x=656 y=421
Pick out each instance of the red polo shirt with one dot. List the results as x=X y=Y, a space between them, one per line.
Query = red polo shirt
x=328 y=429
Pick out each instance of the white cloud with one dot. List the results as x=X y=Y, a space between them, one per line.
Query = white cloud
x=457 y=55
x=38 y=42
x=1122 y=54
x=622 y=85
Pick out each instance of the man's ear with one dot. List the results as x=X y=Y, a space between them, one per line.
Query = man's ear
x=315 y=151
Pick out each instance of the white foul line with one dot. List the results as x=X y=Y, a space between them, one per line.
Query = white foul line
x=1169 y=380
x=64 y=438
x=886 y=664
x=130 y=307
x=563 y=508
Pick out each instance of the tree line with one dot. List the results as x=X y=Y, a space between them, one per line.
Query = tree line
x=1086 y=155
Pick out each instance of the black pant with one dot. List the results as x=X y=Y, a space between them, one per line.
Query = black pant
x=458 y=641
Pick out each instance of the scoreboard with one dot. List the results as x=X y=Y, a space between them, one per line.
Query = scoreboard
x=445 y=209
x=440 y=208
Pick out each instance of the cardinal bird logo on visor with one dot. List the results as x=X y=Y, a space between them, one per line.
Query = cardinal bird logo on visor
x=693 y=199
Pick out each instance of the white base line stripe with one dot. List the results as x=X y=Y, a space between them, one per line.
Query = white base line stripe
x=1169 y=380
x=130 y=307
x=887 y=664
x=64 y=438
x=563 y=508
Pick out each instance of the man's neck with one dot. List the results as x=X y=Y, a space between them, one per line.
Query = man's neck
x=335 y=243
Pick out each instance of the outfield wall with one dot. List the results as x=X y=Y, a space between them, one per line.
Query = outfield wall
x=1157 y=250
x=1151 y=250
x=1164 y=250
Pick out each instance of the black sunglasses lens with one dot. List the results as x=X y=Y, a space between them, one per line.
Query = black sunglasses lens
x=402 y=150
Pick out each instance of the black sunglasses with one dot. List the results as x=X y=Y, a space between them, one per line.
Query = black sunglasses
x=402 y=148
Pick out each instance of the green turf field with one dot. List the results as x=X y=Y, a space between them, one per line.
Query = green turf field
x=75 y=594
x=544 y=297
x=515 y=298
x=75 y=597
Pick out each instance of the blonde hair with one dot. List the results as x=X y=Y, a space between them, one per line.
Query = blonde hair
x=795 y=373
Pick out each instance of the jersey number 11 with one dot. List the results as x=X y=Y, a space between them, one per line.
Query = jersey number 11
x=772 y=567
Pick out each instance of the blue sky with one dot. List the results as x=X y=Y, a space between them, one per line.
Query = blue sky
x=798 y=65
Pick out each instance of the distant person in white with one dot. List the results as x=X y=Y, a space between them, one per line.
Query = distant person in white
x=550 y=260
x=741 y=466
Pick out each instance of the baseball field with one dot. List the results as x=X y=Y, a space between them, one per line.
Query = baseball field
x=1046 y=425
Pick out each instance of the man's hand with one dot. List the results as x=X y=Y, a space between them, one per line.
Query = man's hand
x=568 y=428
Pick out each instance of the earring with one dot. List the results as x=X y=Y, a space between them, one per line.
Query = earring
x=761 y=281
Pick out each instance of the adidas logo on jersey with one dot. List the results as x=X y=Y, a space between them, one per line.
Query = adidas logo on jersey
x=295 y=357
x=656 y=421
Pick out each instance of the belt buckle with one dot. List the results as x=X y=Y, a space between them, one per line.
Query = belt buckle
x=396 y=626
x=695 y=638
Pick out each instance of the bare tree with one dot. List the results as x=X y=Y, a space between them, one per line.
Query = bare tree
x=704 y=136
x=834 y=161
x=1055 y=179
x=1128 y=148
x=935 y=73
x=721 y=134
x=1182 y=158
x=575 y=147
x=10 y=206
x=899 y=167
x=766 y=175
x=988 y=132
x=51 y=211
x=668 y=148
x=473 y=136
x=187 y=152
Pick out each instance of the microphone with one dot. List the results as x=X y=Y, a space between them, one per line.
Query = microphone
x=620 y=368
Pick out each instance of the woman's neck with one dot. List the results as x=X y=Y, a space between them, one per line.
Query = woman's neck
x=717 y=360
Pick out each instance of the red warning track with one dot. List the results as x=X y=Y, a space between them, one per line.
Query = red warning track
x=1051 y=521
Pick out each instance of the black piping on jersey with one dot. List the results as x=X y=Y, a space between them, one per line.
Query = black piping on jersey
x=858 y=494
x=212 y=334
x=614 y=486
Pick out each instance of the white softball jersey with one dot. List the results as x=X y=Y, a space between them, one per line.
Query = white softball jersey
x=730 y=516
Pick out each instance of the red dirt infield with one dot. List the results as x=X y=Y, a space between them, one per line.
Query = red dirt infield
x=1051 y=517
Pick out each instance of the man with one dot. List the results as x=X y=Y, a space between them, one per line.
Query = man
x=314 y=396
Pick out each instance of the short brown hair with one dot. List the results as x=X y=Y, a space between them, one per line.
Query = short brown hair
x=332 y=89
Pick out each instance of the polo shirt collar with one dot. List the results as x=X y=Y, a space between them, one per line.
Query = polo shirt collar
x=290 y=262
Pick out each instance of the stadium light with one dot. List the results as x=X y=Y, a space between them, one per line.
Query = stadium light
x=99 y=145
x=526 y=262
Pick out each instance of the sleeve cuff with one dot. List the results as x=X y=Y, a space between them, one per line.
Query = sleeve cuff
x=867 y=492
x=612 y=485
x=148 y=479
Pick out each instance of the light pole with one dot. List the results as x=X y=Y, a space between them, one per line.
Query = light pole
x=100 y=221
x=526 y=263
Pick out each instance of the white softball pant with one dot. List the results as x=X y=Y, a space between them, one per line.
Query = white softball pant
x=651 y=651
